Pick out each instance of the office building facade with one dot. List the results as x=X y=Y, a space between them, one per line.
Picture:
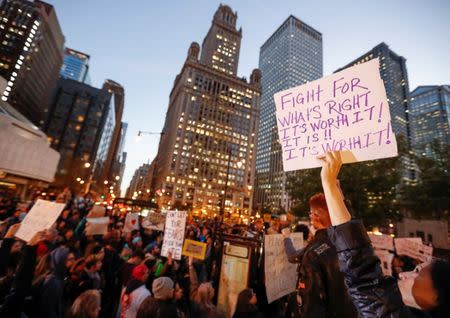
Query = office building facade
x=394 y=74
x=429 y=117
x=290 y=57
x=76 y=66
x=31 y=55
x=395 y=77
x=206 y=155
x=80 y=126
x=113 y=160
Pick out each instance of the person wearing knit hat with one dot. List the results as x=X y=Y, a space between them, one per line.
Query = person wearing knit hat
x=162 y=304
x=135 y=292
x=163 y=288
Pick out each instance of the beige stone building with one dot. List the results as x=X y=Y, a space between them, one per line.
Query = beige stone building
x=206 y=155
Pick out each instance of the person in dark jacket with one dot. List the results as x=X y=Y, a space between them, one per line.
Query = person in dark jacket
x=50 y=304
x=13 y=303
x=321 y=288
x=162 y=304
x=246 y=305
x=373 y=294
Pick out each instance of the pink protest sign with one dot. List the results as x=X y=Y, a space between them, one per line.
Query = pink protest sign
x=345 y=111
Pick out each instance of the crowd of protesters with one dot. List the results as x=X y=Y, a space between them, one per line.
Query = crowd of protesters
x=62 y=272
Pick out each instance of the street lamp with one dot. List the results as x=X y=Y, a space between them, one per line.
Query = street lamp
x=141 y=132
x=87 y=164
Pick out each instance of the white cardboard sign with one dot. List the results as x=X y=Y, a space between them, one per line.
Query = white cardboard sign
x=131 y=222
x=174 y=234
x=383 y=241
x=345 y=111
x=414 y=248
x=282 y=274
x=41 y=217
x=97 y=226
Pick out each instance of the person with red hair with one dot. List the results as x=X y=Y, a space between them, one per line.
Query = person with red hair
x=135 y=292
x=321 y=291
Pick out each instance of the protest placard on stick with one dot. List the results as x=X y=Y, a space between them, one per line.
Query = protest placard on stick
x=345 y=111
x=174 y=234
x=283 y=275
x=41 y=217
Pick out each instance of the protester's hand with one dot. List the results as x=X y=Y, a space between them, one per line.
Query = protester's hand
x=286 y=232
x=331 y=164
x=12 y=230
x=37 y=238
x=169 y=258
x=191 y=261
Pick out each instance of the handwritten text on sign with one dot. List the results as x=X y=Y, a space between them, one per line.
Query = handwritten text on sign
x=41 y=217
x=345 y=111
x=174 y=234
x=283 y=275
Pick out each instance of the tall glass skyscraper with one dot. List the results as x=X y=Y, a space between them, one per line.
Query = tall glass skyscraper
x=395 y=77
x=76 y=66
x=429 y=117
x=290 y=57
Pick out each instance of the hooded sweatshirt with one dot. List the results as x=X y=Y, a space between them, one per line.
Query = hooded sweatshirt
x=52 y=289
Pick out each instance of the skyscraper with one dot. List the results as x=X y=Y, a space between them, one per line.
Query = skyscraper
x=75 y=66
x=429 y=117
x=31 y=55
x=80 y=127
x=290 y=57
x=138 y=182
x=112 y=164
x=206 y=153
x=395 y=77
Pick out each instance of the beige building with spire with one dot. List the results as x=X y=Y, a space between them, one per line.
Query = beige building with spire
x=206 y=155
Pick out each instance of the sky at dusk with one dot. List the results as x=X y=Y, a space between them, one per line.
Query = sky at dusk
x=142 y=44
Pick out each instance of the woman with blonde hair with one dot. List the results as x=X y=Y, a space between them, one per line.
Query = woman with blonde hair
x=201 y=297
x=87 y=305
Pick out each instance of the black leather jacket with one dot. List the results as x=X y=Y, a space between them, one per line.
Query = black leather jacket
x=320 y=284
x=373 y=294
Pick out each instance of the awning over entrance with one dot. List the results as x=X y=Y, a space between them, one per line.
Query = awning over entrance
x=24 y=149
